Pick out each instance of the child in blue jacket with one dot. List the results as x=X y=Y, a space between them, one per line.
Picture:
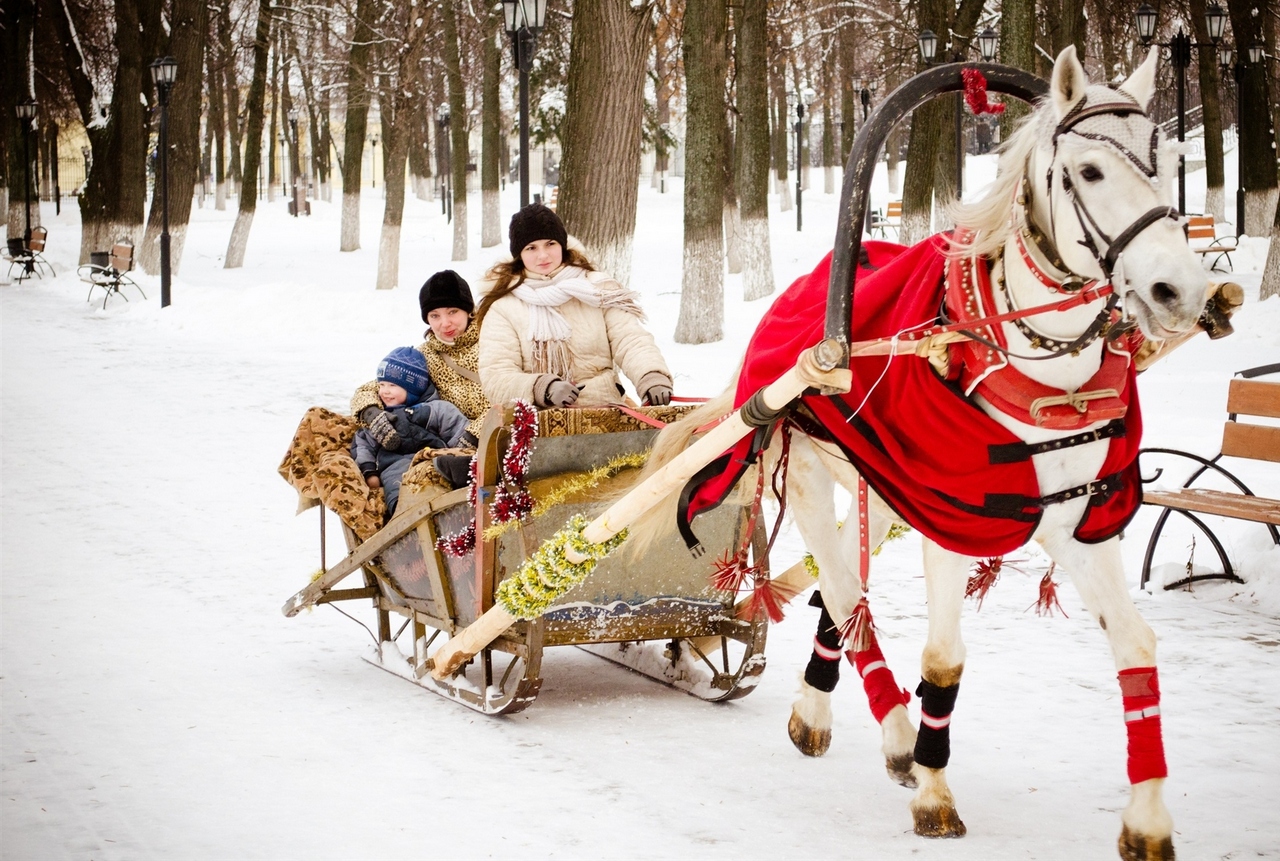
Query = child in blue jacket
x=418 y=419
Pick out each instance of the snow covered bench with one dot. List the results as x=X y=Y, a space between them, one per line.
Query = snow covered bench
x=1249 y=441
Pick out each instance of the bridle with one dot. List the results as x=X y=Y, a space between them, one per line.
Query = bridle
x=1040 y=255
x=1108 y=254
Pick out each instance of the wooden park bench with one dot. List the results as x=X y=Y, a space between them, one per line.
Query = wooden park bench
x=1243 y=440
x=890 y=219
x=109 y=270
x=1202 y=236
x=26 y=254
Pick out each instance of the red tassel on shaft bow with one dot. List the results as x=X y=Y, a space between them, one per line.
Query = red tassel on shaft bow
x=731 y=572
x=975 y=93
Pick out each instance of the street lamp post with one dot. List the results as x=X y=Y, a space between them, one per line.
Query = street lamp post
x=807 y=95
x=26 y=112
x=524 y=19
x=1180 y=55
x=163 y=73
x=373 y=161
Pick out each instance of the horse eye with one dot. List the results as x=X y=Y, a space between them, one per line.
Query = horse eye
x=1090 y=173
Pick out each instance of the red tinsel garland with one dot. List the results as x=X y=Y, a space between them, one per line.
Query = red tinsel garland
x=511 y=500
x=975 y=93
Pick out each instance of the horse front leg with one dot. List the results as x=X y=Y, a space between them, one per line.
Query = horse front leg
x=933 y=808
x=1098 y=573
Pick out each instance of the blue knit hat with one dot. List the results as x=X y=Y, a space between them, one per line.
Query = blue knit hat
x=406 y=367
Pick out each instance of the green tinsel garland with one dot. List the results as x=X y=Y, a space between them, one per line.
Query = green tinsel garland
x=547 y=573
x=896 y=531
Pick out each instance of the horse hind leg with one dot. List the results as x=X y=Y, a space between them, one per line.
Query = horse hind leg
x=933 y=808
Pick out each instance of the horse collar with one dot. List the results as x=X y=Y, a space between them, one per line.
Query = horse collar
x=981 y=366
x=1042 y=259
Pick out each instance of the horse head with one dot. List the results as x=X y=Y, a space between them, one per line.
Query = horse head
x=1098 y=184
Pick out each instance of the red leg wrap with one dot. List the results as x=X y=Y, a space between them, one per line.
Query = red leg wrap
x=1140 y=691
x=881 y=687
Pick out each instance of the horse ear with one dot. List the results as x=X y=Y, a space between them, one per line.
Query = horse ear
x=1142 y=83
x=1069 y=82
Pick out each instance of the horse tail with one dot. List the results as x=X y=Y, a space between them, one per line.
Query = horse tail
x=672 y=440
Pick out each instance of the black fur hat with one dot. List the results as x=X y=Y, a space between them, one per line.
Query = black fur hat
x=532 y=223
x=445 y=289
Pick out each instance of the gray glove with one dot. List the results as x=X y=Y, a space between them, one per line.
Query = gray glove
x=562 y=394
x=381 y=428
x=658 y=396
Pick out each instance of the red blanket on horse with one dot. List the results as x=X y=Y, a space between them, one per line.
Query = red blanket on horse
x=943 y=464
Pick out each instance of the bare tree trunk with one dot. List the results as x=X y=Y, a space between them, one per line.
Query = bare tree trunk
x=457 y=127
x=732 y=218
x=1017 y=48
x=17 y=57
x=276 y=115
x=1257 y=138
x=604 y=116
x=490 y=138
x=186 y=45
x=1211 y=114
x=114 y=199
x=702 y=290
x=753 y=136
x=356 y=125
x=217 y=128
x=255 y=108
x=395 y=152
x=778 y=85
x=231 y=89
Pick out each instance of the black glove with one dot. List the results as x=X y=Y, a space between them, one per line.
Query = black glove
x=562 y=394
x=658 y=396
x=456 y=468
x=468 y=440
x=381 y=428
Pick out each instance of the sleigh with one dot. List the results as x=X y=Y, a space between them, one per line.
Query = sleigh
x=659 y=616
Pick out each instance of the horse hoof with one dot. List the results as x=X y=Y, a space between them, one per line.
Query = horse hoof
x=807 y=739
x=1139 y=847
x=938 y=821
x=899 y=768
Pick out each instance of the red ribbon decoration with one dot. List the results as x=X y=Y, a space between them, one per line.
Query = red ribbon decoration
x=975 y=93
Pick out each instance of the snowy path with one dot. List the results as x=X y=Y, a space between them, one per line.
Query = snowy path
x=155 y=703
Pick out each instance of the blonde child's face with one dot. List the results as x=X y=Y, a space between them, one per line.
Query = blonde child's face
x=391 y=395
x=542 y=256
x=448 y=323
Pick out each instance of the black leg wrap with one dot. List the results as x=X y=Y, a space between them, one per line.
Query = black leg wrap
x=823 y=673
x=933 y=741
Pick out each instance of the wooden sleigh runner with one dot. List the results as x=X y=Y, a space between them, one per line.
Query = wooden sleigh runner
x=659 y=616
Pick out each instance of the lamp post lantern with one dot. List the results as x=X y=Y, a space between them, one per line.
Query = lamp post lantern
x=523 y=20
x=163 y=73
x=1179 y=47
x=26 y=112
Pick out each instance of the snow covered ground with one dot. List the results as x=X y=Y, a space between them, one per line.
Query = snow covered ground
x=157 y=705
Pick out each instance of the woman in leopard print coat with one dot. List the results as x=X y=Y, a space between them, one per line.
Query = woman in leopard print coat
x=452 y=352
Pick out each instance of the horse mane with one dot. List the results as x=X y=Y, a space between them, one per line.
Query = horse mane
x=989 y=216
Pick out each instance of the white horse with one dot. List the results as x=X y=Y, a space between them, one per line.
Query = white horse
x=1083 y=194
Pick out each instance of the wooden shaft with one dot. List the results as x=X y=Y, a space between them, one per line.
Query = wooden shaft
x=813 y=368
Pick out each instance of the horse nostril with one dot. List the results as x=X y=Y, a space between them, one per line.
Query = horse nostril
x=1163 y=293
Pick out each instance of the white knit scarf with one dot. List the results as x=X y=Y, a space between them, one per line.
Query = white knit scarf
x=548 y=329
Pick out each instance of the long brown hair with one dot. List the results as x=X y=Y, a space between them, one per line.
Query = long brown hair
x=510 y=274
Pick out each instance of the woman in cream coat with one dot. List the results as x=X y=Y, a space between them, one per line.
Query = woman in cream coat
x=555 y=332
